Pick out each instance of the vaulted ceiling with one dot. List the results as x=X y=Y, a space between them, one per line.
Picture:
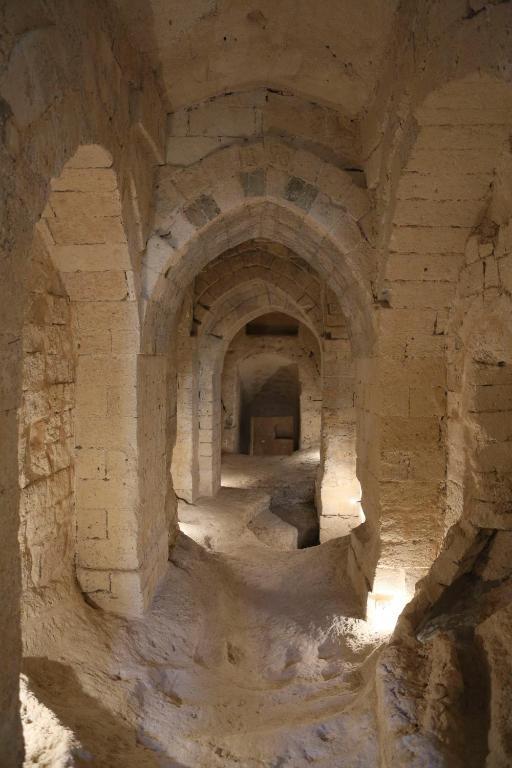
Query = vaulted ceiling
x=329 y=51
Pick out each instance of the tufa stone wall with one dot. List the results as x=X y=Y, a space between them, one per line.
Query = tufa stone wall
x=67 y=78
x=443 y=636
x=46 y=424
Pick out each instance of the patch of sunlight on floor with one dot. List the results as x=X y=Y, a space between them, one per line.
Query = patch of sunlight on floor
x=48 y=743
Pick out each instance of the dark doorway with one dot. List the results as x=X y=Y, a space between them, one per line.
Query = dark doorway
x=269 y=406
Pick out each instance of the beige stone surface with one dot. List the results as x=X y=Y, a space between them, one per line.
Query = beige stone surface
x=170 y=172
x=282 y=47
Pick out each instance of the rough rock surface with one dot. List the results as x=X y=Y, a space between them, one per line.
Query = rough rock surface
x=290 y=482
x=235 y=664
x=169 y=173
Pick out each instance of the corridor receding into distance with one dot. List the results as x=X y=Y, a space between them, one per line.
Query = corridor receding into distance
x=256 y=384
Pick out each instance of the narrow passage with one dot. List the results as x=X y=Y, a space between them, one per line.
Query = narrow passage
x=252 y=655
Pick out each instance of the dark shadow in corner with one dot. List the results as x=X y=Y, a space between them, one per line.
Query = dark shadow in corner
x=108 y=741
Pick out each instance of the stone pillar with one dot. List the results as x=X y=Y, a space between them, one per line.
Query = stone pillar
x=84 y=232
x=338 y=489
x=210 y=426
x=185 y=459
x=230 y=399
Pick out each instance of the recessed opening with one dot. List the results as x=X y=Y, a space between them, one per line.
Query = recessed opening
x=269 y=406
x=273 y=324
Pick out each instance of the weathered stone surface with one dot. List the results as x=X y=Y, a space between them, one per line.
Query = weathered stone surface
x=368 y=198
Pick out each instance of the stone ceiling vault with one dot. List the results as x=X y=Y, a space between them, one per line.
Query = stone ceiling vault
x=206 y=47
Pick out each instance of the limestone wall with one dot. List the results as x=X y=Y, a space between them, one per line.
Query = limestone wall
x=479 y=411
x=432 y=138
x=461 y=209
x=67 y=78
x=185 y=452
x=46 y=424
x=441 y=194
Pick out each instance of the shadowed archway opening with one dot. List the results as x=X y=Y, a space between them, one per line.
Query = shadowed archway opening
x=269 y=406
x=271 y=402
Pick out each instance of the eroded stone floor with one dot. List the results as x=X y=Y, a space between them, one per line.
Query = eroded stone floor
x=290 y=482
x=267 y=497
x=250 y=656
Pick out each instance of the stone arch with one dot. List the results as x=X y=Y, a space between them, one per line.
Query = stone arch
x=267 y=191
x=467 y=47
x=269 y=263
x=456 y=140
x=254 y=296
x=262 y=262
x=338 y=489
x=244 y=303
x=314 y=125
x=270 y=221
x=262 y=190
x=180 y=250
x=53 y=98
x=459 y=134
x=95 y=443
